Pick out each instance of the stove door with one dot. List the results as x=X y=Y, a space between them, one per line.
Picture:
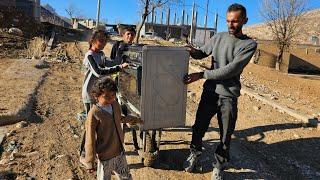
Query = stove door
x=163 y=93
x=130 y=87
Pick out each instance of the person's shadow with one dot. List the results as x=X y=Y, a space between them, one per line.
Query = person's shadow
x=288 y=159
x=4 y=175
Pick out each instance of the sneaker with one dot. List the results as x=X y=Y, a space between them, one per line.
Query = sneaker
x=192 y=160
x=216 y=174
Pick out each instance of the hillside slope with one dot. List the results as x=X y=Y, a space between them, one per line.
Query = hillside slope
x=310 y=26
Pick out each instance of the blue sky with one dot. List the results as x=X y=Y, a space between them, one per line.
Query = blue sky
x=126 y=11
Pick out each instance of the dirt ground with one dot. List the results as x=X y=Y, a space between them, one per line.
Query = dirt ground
x=298 y=92
x=267 y=144
x=19 y=81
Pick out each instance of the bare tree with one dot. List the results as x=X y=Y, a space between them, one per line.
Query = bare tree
x=283 y=19
x=71 y=10
x=148 y=6
x=74 y=12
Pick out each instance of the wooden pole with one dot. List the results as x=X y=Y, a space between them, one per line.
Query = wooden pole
x=152 y=16
x=205 y=23
x=192 y=23
x=168 y=24
x=187 y=19
x=216 y=23
x=182 y=18
x=161 y=20
x=98 y=13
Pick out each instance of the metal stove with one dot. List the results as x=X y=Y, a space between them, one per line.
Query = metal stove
x=153 y=87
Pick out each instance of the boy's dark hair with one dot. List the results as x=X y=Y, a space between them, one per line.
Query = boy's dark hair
x=104 y=84
x=129 y=28
x=238 y=7
x=97 y=34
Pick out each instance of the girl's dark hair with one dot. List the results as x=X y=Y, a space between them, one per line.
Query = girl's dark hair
x=104 y=84
x=96 y=35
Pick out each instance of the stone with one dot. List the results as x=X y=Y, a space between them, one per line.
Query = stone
x=17 y=155
x=3 y=134
x=173 y=40
x=191 y=94
x=4 y=162
x=62 y=58
x=11 y=146
x=75 y=136
x=256 y=108
x=31 y=154
x=42 y=64
x=15 y=31
x=313 y=122
x=13 y=163
x=22 y=124
x=60 y=156
x=274 y=98
x=12 y=132
x=296 y=136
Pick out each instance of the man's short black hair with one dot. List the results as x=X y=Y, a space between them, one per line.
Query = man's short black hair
x=238 y=7
x=130 y=29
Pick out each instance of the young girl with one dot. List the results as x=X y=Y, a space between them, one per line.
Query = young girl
x=104 y=135
x=96 y=65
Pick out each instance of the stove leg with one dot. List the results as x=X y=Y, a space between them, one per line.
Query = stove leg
x=159 y=139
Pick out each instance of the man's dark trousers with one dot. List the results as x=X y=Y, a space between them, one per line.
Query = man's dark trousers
x=210 y=104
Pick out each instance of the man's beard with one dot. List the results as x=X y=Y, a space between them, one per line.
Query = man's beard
x=234 y=31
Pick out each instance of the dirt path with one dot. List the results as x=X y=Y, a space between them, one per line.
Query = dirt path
x=266 y=144
x=54 y=132
x=18 y=83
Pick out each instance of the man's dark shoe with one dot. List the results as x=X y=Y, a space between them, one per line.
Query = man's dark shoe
x=192 y=160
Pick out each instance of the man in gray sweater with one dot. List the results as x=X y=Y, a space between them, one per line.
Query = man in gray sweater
x=231 y=51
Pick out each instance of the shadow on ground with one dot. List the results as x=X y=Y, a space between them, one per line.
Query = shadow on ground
x=290 y=159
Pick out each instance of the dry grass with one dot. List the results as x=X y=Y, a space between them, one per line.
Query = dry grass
x=35 y=47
